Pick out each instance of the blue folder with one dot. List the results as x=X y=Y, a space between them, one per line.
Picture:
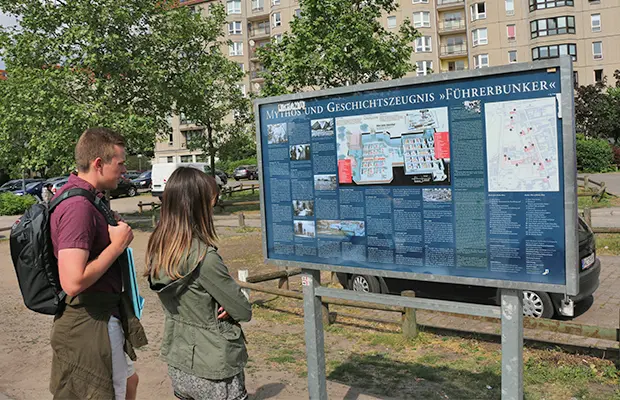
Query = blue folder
x=136 y=299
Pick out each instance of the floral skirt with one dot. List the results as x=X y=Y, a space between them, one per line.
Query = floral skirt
x=191 y=387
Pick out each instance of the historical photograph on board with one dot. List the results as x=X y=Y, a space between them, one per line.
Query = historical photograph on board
x=303 y=228
x=397 y=148
x=303 y=208
x=277 y=134
x=300 y=152
x=322 y=127
x=437 y=195
x=325 y=182
x=331 y=227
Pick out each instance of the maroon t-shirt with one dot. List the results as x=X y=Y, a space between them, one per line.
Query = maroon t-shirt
x=77 y=224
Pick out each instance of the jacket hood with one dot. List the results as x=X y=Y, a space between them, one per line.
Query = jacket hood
x=164 y=284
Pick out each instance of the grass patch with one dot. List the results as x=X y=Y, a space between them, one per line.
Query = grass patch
x=608 y=244
x=605 y=201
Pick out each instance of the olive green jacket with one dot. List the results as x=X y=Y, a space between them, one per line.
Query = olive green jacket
x=195 y=341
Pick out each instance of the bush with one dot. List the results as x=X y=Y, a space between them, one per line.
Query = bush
x=594 y=155
x=12 y=204
x=229 y=166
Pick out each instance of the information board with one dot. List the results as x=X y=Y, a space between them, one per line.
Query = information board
x=464 y=177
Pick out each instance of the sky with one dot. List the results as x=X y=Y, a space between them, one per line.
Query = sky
x=5 y=20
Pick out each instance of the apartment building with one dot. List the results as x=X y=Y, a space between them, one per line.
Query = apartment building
x=456 y=35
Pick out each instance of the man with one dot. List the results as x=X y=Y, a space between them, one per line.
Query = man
x=91 y=337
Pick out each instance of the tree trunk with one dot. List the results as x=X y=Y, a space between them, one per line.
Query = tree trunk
x=211 y=149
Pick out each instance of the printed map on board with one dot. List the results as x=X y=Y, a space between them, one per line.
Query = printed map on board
x=371 y=146
x=522 y=145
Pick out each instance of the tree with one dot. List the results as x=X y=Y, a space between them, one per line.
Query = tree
x=337 y=43
x=129 y=66
x=597 y=109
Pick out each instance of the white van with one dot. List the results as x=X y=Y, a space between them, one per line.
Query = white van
x=161 y=173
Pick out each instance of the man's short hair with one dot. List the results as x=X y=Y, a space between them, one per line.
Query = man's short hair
x=96 y=143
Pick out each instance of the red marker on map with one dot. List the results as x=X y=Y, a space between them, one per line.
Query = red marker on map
x=344 y=171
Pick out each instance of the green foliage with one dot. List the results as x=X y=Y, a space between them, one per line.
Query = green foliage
x=128 y=66
x=597 y=109
x=12 y=204
x=336 y=43
x=594 y=155
x=229 y=166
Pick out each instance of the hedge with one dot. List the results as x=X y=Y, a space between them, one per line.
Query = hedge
x=594 y=155
x=12 y=204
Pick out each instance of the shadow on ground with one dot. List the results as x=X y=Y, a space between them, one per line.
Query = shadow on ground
x=379 y=375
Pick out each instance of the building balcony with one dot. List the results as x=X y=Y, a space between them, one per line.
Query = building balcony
x=451 y=27
x=257 y=76
x=458 y=50
x=450 y=4
x=258 y=32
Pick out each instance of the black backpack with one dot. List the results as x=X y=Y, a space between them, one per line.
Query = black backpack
x=33 y=254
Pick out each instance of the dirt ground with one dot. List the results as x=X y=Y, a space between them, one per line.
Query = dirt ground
x=25 y=354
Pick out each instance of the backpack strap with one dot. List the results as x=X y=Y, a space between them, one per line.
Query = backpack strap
x=98 y=202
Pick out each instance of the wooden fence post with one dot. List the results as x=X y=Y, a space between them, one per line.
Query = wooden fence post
x=140 y=207
x=241 y=220
x=586 y=180
x=587 y=215
x=410 y=325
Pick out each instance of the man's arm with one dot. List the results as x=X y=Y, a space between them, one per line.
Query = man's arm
x=77 y=274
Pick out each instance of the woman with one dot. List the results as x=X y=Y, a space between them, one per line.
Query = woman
x=203 y=343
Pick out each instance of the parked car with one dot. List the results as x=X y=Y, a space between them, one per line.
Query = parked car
x=162 y=171
x=246 y=172
x=144 y=180
x=535 y=303
x=32 y=188
x=16 y=184
x=131 y=175
x=125 y=188
x=221 y=174
x=57 y=184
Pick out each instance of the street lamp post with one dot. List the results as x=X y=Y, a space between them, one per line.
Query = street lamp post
x=140 y=162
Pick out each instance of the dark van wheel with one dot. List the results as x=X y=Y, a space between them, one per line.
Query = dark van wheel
x=365 y=283
x=537 y=304
x=131 y=192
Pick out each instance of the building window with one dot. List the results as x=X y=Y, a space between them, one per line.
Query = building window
x=597 y=50
x=170 y=139
x=235 y=49
x=422 y=19
x=276 y=19
x=595 y=22
x=258 y=5
x=478 y=11
x=481 y=61
x=542 y=4
x=241 y=67
x=511 y=31
x=510 y=7
x=297 y=12
x=275 y=2
x=598 y=75
x=554 y=51
x=420 y=1
x=391 y=22
x=456 y=65
x=170 y=159
x=233 y=6
x=187 y=158
x=423 y=44
x=512 y=56
x=479 y=36
x=234 y=28
x=575 y=79
x=242 y=89
x=278 y=38
x=552 y=26
x=424 y=68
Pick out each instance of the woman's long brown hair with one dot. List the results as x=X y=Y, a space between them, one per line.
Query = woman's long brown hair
x=186 y=213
